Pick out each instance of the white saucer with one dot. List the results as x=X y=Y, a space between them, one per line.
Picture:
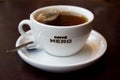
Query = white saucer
x=94 y=48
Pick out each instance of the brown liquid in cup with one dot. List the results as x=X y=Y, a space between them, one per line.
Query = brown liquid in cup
x=67 y=20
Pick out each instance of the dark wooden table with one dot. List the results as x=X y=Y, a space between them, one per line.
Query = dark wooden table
x=107 y=22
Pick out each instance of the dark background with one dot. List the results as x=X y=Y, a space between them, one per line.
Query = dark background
x=107 y=22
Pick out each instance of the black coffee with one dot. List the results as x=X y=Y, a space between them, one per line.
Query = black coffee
x=67 y=20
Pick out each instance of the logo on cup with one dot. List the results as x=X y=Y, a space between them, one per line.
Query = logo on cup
x=61 y=39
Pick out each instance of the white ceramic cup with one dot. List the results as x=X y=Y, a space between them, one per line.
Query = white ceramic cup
x=57 y=40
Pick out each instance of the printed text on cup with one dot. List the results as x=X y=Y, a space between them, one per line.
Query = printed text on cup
x=61 y=39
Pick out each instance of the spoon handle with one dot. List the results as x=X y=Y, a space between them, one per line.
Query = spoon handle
x=19 y=47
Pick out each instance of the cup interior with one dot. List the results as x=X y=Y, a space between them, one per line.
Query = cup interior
x=73 y=10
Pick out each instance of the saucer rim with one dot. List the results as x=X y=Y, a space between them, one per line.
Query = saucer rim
x=93 y=59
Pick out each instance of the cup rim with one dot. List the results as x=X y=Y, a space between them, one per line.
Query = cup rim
x=66 y=6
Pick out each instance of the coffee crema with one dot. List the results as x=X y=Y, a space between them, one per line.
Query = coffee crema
x=67 y=19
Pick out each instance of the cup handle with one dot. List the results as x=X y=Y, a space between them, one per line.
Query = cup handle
x=21 y=30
